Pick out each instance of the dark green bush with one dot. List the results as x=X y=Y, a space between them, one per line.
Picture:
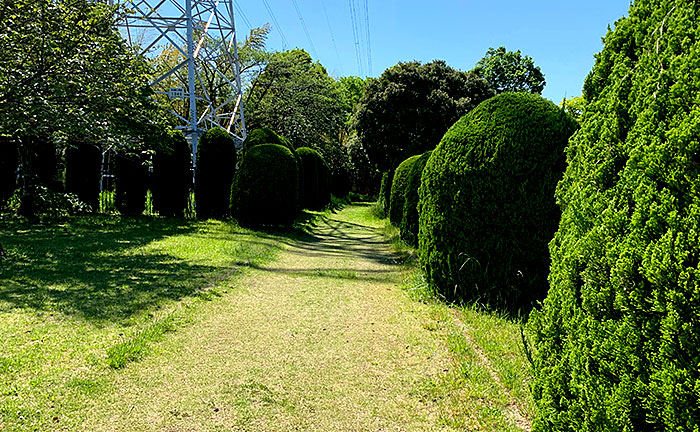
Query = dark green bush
x=172 y=177
x=315 y=180
x=616 y=346
x=398 y=190
x=265 y=188
x=9 y=161
x=131 y=184
x=385 y=191
x=216 y=165
x=265 y=136
x=45 y=164
x=409 y=220
x=487 y=208
x=83 y=172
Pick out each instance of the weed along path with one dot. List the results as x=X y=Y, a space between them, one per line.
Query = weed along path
x=321 y=339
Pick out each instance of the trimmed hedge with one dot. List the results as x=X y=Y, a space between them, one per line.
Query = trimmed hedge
x=616 y=346
x=398 y=190
x=216 y=165
x=172 y=177
x=487 y=208
x=131 y=184
x=83 y=172
x=9 y=161
x=266 y=136
x=265 y=188
x=315 y=179
x=385 y=191
x=409 y=220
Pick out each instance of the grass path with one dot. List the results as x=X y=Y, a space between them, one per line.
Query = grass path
x=322 y=339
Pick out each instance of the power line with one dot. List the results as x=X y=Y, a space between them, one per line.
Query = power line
x=277 y=24
x=369 y=43
x=330 y=29
x=355 y=31
x=242 y=14
x=306 y=30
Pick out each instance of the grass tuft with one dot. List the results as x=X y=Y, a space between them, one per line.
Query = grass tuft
x=136 y=347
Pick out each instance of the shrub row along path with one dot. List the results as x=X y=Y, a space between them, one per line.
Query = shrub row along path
x=321 y=339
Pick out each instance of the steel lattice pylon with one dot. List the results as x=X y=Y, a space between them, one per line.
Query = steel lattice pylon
x=200 y=73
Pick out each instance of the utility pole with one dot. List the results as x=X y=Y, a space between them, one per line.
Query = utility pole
x=203 y=85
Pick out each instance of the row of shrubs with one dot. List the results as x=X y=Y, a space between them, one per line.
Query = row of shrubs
x=597 y=227
x=480 y=208
x=274 y=180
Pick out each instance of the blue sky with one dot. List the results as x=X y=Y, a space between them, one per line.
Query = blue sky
x=561 y=36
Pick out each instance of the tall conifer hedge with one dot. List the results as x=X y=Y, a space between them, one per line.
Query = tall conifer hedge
x=172 y=177
x=616 y=346
x=9 y=160
x=83 y=171
x=216 y=165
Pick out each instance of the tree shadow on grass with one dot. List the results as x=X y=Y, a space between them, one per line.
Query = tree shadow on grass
x=89 y=266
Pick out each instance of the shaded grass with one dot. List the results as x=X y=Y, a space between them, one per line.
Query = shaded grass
x=83 y=296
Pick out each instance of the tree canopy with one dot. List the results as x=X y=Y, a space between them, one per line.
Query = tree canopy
x=66 y=71
x=296 y=97
x=408 y=109
x=510 y=71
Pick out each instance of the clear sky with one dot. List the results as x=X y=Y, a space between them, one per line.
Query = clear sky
x=560 y=35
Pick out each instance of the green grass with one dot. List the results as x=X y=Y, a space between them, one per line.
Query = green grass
x=83 y=296
x=469 y=395
x=92 y=306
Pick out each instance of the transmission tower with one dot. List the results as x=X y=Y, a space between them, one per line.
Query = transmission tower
x=194 y=45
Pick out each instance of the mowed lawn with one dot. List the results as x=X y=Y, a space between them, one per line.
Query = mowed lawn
x=101 y=317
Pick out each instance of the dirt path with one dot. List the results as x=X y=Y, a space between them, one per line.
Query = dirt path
x=322 y=339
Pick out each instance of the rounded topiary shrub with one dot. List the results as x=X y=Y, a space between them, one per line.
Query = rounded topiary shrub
x=216 y=165
x=487 y=209
x=616 y=345
x=265 y=188
x=398 y=189
x=172 y=177
x=83 y=172
x=315 y=180
x=265 y=136
x=409 y=220
x=131 y=184
x=9 y=161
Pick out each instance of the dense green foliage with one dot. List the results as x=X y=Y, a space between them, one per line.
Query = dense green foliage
x=265 y=188
x=487 y=209
x=508 y=71
x=216 y=165
x=385 y=191
x=315 y=180
x=616 y=346
x=364 y=177
x=398 y=190
x=410 y=107
x=266 y=136
x=131 y=184
x=66 y=70
x=172 y=176
x=297 y=98
x=409 y=220
x=9 y=161
x=83 y=173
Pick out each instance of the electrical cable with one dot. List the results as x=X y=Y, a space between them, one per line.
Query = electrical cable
x=306 y=30
x=330 y=29
x=369 y=40
x=358 y=50
x=285 y=44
